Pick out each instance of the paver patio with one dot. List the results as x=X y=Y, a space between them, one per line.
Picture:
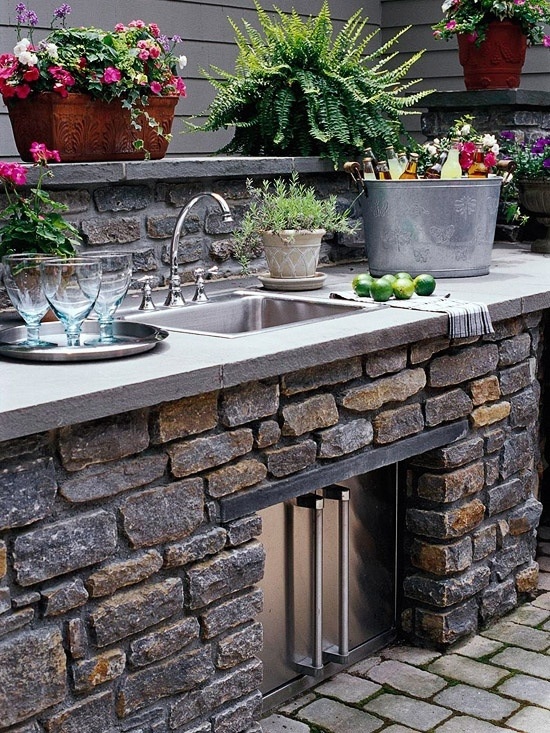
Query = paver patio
x=497 y=681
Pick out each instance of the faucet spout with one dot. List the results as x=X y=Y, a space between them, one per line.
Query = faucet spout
x=175 y=297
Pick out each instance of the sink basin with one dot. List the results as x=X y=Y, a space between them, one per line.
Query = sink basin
x=244 y=312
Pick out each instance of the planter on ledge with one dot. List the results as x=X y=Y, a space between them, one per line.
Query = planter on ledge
x=444 y=227
x=534 y=196
x=497 y=62
x=83 y=129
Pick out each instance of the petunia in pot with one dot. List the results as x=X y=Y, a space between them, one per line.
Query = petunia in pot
x=493 y=36
x=32 y=220
x=94 y=94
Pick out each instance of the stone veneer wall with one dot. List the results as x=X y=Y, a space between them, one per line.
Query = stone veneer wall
x=128 y=605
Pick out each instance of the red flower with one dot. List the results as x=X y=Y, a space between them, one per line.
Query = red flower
x=22 y=91
x=32 y=74
x=156 y=87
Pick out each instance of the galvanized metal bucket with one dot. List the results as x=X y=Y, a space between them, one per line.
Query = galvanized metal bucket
x=445 y=228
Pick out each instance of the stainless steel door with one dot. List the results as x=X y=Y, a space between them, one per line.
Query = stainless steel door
x=308 y=617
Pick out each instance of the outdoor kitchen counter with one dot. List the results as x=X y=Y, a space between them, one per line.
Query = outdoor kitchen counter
x=35 y=397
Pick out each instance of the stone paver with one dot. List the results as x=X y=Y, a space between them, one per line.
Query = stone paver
x=348 y=688
x=542 y=601
x=524 y=661
x=478 y=647
x=410 y=654
x=544 y=581
x=399 y=729
x=531 y=720
x=528 y=689
x=361 y=668
x=465 y=724
x=529 y=615
x=519 y=635
x=544 y=563
x=300 y=702
x=543 y=548
x=280 y=724
x=467 y=670
x=403 y=709
x=407 y=679
x=339 y=718
x=477 y=703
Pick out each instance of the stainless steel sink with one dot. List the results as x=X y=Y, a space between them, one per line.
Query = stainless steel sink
x=243 y=312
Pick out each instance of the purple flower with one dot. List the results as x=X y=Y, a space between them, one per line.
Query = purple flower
x=176 y=39
x=539 y=145
x=62 y=11
x=508 y=135
x=21 y=10
x=164 y=41
x=546 y=163
x=32 y=18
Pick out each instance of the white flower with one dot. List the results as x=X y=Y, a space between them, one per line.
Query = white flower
x=488 y=141
x=465 y=129
x=447 y=5
x=495 y=149
x=27 y=58
x=432 y=150
x=182 y=61
x=51 y=50
x=21 y=46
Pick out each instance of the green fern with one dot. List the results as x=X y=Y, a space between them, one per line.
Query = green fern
x=298 y=89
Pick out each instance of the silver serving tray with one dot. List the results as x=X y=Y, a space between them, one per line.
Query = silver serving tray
x=135 y=338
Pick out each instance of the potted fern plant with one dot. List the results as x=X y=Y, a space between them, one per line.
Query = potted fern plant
x=300 y=90
x=287 y=221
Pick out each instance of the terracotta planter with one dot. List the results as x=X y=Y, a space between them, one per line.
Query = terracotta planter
x=498 y=61
x=292 y=254
x=83 y=129
x=534 y=196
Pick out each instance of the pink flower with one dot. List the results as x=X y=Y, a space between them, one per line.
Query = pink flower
x=143 y=55
x=490 y=159
x=136 y=24
x=40 y=152
x=179 y=85
x=472 y=37
x=154 y=52
x=62 y=75
x=469 y=148
x=450 y=25
x=111 y=75
x=120 y=27
x=519 y=2
x=155 y=30
x=22 y=91
x=156 y=87
x=14 y=173
x=546 y=41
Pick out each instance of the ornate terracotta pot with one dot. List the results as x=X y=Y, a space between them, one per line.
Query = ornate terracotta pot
x=498 y=61
x=83 y=129
x=534 y=196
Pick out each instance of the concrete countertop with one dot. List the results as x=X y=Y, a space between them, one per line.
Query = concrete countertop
x=35 y=397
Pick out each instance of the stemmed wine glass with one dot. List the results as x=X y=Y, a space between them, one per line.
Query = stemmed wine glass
x=23 y=285
x=71 y=287
x=116 y=273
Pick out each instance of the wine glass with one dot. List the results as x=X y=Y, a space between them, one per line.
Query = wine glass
x=24 y=288
x=71 y=287
x=116 y=273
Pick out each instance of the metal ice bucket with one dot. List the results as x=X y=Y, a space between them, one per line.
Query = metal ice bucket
x=445 y=228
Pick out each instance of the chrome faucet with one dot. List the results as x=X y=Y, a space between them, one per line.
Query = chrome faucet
x=175 y=296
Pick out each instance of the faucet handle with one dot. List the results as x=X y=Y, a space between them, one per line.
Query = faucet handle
x=199 y=274
x=147 y=303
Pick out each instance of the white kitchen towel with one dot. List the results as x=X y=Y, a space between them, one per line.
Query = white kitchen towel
x=465 y=318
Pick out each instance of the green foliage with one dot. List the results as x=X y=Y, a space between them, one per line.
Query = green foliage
x=283 y=205
x=298 y=89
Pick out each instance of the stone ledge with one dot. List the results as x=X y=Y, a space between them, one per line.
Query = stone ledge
x=524 y=98
x=171 y=169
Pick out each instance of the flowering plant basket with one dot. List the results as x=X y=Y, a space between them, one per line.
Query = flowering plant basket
x=133 y=64
x=32 y=220
x=472 y=18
